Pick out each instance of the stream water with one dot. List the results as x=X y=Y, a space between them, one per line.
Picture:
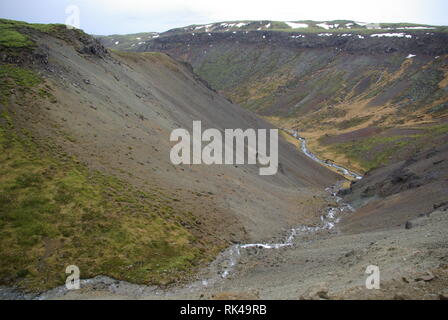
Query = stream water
x=226 y=263
x=308 y=153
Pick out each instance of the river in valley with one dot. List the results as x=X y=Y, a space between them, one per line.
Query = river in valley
x=304 y=147
x=226 y=263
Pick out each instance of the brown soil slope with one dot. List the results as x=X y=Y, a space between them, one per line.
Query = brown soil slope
x=116 y=112
x=324 y=84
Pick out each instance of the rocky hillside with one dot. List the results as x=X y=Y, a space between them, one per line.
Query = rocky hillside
x=333 y=81
x=394 y=195
x=364 y=95
x=133 y=41
x=85 y=176
x=85 y=172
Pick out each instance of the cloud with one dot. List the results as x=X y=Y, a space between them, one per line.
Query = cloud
x=213 y=11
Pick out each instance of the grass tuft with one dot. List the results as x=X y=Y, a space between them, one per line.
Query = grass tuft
x=16 y=78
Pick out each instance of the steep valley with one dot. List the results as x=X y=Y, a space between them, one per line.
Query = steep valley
x=340 y=86
x=86 y=177
x=86 y=113
x=371 y=98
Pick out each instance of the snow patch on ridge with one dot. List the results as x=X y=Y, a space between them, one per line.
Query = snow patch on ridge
x=415 y=28
x=391 y=35
x=325 y=26
x=295 y=25
x=241 y=24
x=234 y=25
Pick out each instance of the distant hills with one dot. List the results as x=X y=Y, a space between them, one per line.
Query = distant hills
x=132 y=41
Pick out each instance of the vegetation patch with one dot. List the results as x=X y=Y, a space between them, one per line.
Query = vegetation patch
x=10 y=38
x=353 y=122
x=423 y=90
x=439 y=109
x=54 y=212
x=16 y=78
x=374 y=152
x=14 y=34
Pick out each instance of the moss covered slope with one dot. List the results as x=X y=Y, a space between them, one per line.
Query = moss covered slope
x=56 y=212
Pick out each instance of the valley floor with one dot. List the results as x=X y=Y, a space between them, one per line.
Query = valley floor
x=329 y=265
x=413 y=261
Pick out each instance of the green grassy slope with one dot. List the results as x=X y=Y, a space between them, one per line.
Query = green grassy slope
x=55 y=211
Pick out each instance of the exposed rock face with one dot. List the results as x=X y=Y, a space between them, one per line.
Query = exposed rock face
x=39 y=54
x=399 y=180
x=395 y=195
x=418 y=43
x=411 y=174
x=293 y=74
x=92 y=46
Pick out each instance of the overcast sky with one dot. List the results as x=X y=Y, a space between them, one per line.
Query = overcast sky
x=104 y=17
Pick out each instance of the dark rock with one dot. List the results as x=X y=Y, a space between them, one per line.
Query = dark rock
x=426 y=277
x=344 y=192
x=431 y=44
x=91 y=46
x=440 y=205
x=367 y=192
x=402 y=176
x=400 y=296
x=318 y=292
x=443 y=295
x=350 y=253
x=41 y=56
x=431 y=153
